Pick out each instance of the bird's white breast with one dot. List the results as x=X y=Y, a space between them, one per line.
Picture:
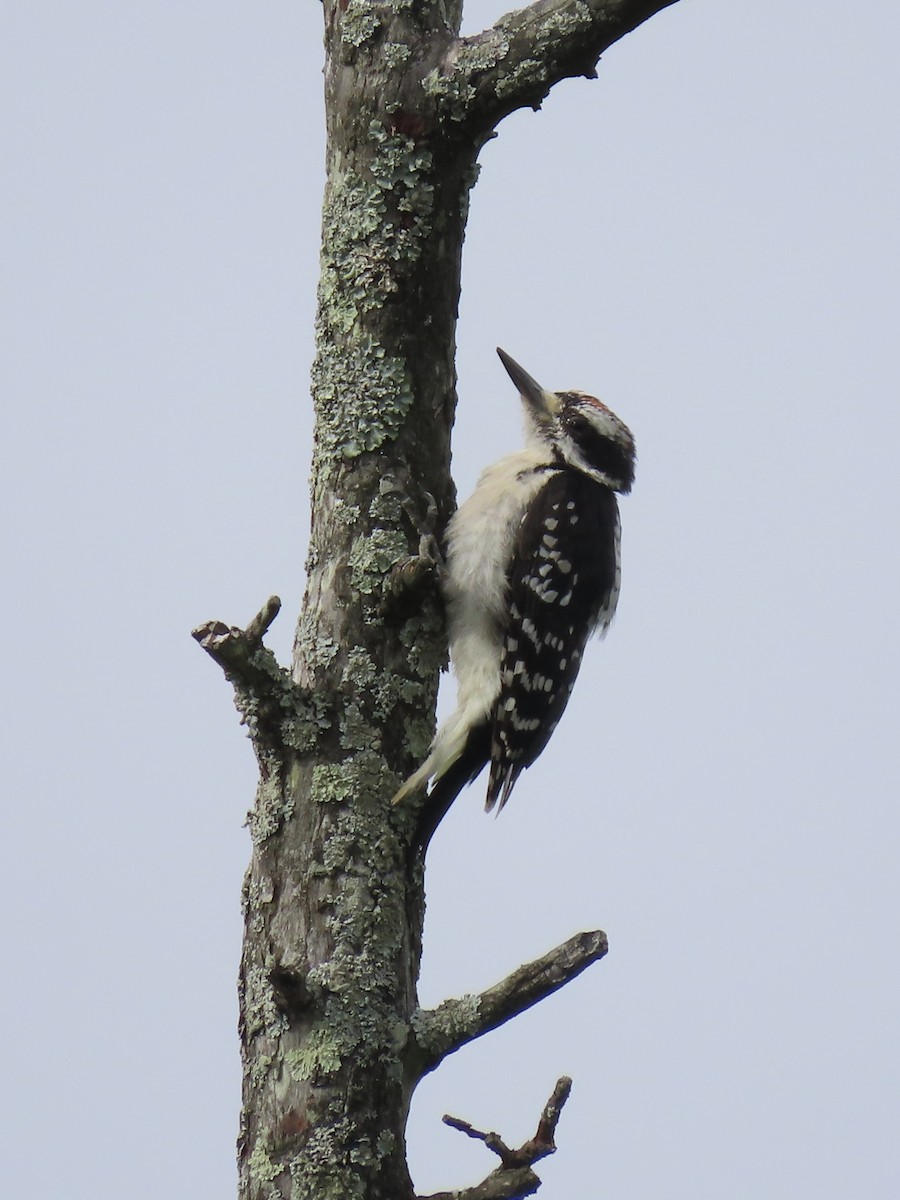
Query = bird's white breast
x=480 y=541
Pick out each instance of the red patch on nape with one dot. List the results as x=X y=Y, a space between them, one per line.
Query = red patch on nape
x=592 y=400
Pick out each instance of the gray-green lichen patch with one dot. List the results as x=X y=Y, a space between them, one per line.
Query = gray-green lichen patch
x=387 y=504
x=454 y=87
x=363 y=18
x=332 y=784
x=344 y=513
x=435 y=1028
x=357 y=730
x=483 y=54
x=372 y=557
x=454 y=91
x=366 y=925
x=384 y=1143
x=264 y=660
x=536 y=70
x=426 y=648
x=366 y=1155
x=321 y=1173
x=262 y=1169
x=552 y=24
x=363 y=396
x=576 y=18
x=303 y=727
x=356 y=849
x=529 y=72
x=358 y=242
x=363 y=239
x=360 y=21
x=384 y=689
x=376 y=217
x=274 y=805
x=260 y=1009
x=316 y=651
x=418 y=731
x=357 y=778
x=255 y=895
x=401 y=166
x=360 y=670
x=259 y=1068
x=320 y=1054
x=374 y=695
x=395 y=54
x=275 y=710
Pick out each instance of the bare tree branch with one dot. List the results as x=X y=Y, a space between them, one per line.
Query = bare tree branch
x=514 y=1178
x=440 y=1031
x=499 y=1185
x=275 y=710
x=262 y=622
x=234 y=649
x=516 y=62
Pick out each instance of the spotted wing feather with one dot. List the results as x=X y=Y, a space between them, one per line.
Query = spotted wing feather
x=554 y=606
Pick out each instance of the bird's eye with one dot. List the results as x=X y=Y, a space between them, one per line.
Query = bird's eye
x=578 y=425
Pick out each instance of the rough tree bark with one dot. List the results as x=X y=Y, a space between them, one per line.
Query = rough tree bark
x=333 y=1040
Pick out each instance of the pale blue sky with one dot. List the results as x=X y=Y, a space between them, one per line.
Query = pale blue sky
x=706 y=237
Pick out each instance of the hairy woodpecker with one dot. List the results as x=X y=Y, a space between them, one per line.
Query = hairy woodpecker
x=532 y=570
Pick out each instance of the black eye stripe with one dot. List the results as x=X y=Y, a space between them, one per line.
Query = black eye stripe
x=599 y=452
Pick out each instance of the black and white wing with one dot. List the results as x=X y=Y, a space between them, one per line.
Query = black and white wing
x=560 y=592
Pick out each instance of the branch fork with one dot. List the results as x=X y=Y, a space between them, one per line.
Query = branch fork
x=535 y=1148
x=438 y=1032
x=234 y=648
x=514 y=1177
x=515 y=63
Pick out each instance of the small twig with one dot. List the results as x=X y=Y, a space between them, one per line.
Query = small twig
x=259 y=626
x=546 y=1130
x=535 y=1148
x=514 y=1178
x=493 y=1141
x=440 y=1031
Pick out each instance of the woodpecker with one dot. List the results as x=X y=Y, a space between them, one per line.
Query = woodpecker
x=532 y=570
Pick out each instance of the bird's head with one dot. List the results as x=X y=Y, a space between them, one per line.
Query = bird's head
x=579 y=428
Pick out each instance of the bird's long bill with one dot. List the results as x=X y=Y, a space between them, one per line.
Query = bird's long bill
x=542 y=403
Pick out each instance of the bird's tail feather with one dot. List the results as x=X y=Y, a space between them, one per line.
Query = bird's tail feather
x=449 y=747
x=417 y=780
x=447 y=786
x=503 y=777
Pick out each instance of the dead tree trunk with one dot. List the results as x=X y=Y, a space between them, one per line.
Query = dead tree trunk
x=333 y=1040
